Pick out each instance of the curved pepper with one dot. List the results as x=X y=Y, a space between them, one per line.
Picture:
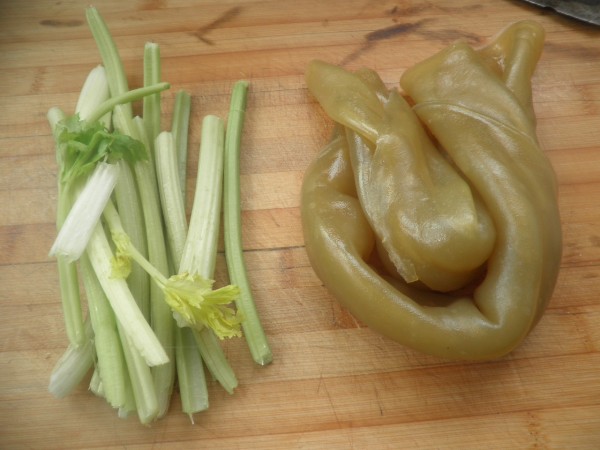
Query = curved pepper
x=453 y=251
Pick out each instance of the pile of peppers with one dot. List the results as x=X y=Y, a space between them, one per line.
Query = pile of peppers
x=433 y=216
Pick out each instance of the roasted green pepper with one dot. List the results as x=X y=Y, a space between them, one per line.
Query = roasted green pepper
x=434 y=220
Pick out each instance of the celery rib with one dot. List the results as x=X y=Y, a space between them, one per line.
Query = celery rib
x=200 y=251
x=67 y=272
x=253 y=330
x=122 y=302
x=109 y=353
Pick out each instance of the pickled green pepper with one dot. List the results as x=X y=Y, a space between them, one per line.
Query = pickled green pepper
x=433 y=216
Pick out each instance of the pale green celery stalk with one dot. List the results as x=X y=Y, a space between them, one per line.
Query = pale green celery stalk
x=111 y=363
x=151 y=104
x=67 y=272
x=73 y=365
x=200 y=251
x=140 y=375
x=190 y=370
x=160 y=313
x=190 y=373
x=232 y=228
x=125 y=99
x=85 y=212
x=170 y=194
x=130 y=211
x=109 y=53
x=122 y=302
x=180 y=129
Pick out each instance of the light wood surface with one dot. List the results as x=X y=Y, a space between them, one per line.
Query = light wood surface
x=333 y=383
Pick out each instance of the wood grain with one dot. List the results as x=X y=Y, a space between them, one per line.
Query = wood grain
x=334 y=383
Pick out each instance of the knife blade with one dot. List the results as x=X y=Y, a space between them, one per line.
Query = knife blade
x=584 y=10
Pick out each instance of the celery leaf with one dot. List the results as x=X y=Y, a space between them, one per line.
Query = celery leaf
x=82 y=144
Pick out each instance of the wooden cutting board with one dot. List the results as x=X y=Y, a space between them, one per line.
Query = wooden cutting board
x=333 y=383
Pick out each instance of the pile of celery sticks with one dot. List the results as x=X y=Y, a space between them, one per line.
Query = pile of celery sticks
x=153 y=319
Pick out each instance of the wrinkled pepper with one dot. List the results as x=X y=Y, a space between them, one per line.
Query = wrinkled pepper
x=433 y=216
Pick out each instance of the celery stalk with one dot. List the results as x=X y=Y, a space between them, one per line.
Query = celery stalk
x=146 y=400
x=122 y=302
x=79 y=224
x=160 y=313
x=170 y=194
x=130 y=211
x=200 y=251
x=190 y=370
x=253 y=331
x=111 y=363
x=67 y=272
x=190 y=373
x=180 y=129
x=109 y=53
x=125 y=99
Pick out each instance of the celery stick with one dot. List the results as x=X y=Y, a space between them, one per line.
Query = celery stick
x=67 y=272
x=73 y=365
x=215 y=359
x=125 y=99
x=170 y=194
x=180 y=129
x=111 y=362
x=190 y=373
x=190 y=370
x=151 y=104
x=71 y=301
x=79 y=224
x=253 y=331
x=200 y=251
x=146 y=400
x=130 y=211
x=109 y=53
x=160 y=313
x=122 y=302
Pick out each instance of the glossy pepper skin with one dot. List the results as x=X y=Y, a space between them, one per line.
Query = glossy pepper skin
x=453 y=251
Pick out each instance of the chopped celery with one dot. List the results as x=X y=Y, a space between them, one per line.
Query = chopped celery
x=255 y=336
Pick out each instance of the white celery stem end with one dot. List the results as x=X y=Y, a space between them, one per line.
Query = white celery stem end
x=76 y=230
